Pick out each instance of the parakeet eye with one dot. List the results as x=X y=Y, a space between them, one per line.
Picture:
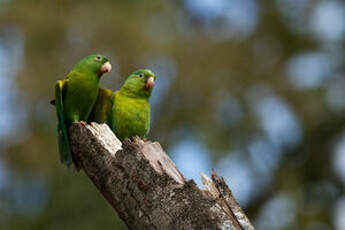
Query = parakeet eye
x=98 y=58
x=141 y=75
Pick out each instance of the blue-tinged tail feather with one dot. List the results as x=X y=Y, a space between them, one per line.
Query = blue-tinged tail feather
x=63 y=140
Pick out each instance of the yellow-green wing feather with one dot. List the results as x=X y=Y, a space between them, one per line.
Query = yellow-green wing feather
x=64 y=146
x=102 y=108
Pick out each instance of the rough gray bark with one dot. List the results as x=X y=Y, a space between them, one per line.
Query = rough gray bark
x=146 y=189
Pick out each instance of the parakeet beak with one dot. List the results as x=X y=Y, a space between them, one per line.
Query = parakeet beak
x=150 y=83
x=105 y=68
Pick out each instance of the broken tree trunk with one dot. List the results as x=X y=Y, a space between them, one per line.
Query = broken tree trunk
x=146 y=189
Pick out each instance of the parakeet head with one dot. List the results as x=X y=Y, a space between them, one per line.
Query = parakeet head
x=95 y=63
x=139 y=84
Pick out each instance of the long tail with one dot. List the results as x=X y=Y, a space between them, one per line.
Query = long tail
x=63 y=140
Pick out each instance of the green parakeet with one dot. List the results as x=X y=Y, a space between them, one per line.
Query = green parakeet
x=75 y=96
x=130 y=114
x=127 y=111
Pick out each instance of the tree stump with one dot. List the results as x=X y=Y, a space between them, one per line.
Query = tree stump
x=146 y=189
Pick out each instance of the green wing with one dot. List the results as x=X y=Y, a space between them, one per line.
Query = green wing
x=101 y=111
x=63 y=141
x=110 y=113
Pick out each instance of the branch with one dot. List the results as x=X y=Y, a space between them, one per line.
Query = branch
x=146 y=189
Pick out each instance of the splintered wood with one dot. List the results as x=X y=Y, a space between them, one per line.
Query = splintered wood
x=146 y=189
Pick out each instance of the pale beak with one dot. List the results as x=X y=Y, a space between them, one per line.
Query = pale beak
x=150 y=83
x=105 y=68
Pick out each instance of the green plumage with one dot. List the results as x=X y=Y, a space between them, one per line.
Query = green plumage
x=75 y=97
x=129 y=115
x=102 y=108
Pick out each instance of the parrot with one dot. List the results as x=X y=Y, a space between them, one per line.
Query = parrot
x=75 y=97
x=127 y=111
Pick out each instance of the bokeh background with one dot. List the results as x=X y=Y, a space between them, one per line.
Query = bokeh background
x=252 y=88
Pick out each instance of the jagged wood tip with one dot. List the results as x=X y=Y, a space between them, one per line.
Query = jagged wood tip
x=146 y=189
